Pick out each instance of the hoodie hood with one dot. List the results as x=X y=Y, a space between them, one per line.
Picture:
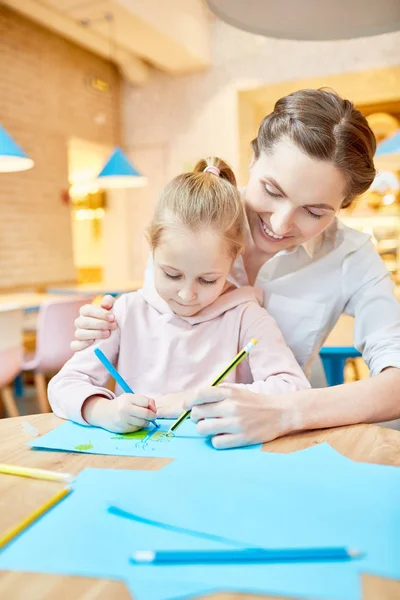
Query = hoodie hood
x=230 y=298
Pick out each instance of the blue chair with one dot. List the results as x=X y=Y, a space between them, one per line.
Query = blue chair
x=334 y=360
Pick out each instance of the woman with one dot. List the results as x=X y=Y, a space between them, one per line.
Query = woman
x=313 y=156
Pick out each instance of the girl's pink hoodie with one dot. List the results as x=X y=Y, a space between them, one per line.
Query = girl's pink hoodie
x=158 y=352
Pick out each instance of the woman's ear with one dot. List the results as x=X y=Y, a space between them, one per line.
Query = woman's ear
x=252 y=161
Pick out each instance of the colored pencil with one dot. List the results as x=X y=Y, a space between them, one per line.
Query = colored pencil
x=36 y=473
x=118 y=378
x=34 y=516
x=248 y=555
x=234 y=363
x=29 y=428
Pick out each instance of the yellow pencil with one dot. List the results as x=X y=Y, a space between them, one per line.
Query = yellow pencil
x=238 y=358
x=14 y=531
x=36 y=473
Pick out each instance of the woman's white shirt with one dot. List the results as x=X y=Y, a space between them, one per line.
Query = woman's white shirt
x=307 y=288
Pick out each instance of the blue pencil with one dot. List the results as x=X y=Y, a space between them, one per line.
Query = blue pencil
x=248 y=555
x=118 y=378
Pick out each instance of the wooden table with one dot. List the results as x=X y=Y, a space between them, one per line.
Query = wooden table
x=97 y=289
x=18 y=497
x=31 y=301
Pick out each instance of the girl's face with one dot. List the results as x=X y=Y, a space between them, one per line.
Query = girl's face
x=190 y=269
x=290 y=197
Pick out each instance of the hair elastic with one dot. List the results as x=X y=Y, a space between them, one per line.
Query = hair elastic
x=213 y=170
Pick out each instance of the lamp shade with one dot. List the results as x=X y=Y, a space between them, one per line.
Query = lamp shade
x=118 y=172
x=390 y=145
x=12 y=157
x=388 y=153
x=310 y=19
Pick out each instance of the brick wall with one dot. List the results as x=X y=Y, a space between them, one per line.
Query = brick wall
x=45 y=98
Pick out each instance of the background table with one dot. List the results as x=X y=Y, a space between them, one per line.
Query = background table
x=31 y=301
x=97 y=289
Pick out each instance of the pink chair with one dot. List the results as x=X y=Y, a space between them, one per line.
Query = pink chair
x=55 y=331
x=11 y=354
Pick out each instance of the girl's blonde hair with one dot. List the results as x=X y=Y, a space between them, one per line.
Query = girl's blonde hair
x=202 y=199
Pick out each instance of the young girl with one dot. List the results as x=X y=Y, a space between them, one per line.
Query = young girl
x=180 y=331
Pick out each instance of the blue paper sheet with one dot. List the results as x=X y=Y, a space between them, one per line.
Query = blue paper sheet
x=292 y=500
x=314 y=497
x=79 y=537
x=186 y=443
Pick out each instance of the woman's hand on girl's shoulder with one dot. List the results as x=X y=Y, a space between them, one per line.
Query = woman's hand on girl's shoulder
x=94 y=323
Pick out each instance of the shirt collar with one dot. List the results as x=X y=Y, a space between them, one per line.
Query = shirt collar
x=326 y=237
x=311 y=246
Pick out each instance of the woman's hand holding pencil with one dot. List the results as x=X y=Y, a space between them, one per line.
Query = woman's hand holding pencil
x=226 y=416
x=217 y=381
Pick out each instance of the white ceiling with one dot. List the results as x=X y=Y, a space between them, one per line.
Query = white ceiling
x=172 y=35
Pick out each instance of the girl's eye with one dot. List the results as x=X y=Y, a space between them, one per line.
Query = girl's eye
x=313 y=214
x=175 y=277
x=206 y=282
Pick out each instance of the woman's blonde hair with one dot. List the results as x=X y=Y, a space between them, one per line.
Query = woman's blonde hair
x=202 y=199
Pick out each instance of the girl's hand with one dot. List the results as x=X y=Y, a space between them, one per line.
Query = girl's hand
x=235 y=417
x=127 y=413
x=93 y=323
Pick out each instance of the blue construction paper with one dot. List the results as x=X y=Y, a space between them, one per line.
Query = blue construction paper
x=319 y=454
x=356 y=506
x=79 y=537
x=297 y=504
x=310 y=487
x=279 y=508
x=186 y=443
x=118 y=512
x=267 y=499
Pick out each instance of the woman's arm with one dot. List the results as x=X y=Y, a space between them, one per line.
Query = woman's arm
x=238 y=417
x=370 y=400
x=368 y=296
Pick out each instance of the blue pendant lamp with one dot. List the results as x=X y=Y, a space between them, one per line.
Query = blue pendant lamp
x=388 y=153
x=118 y=172
x=12 y=157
